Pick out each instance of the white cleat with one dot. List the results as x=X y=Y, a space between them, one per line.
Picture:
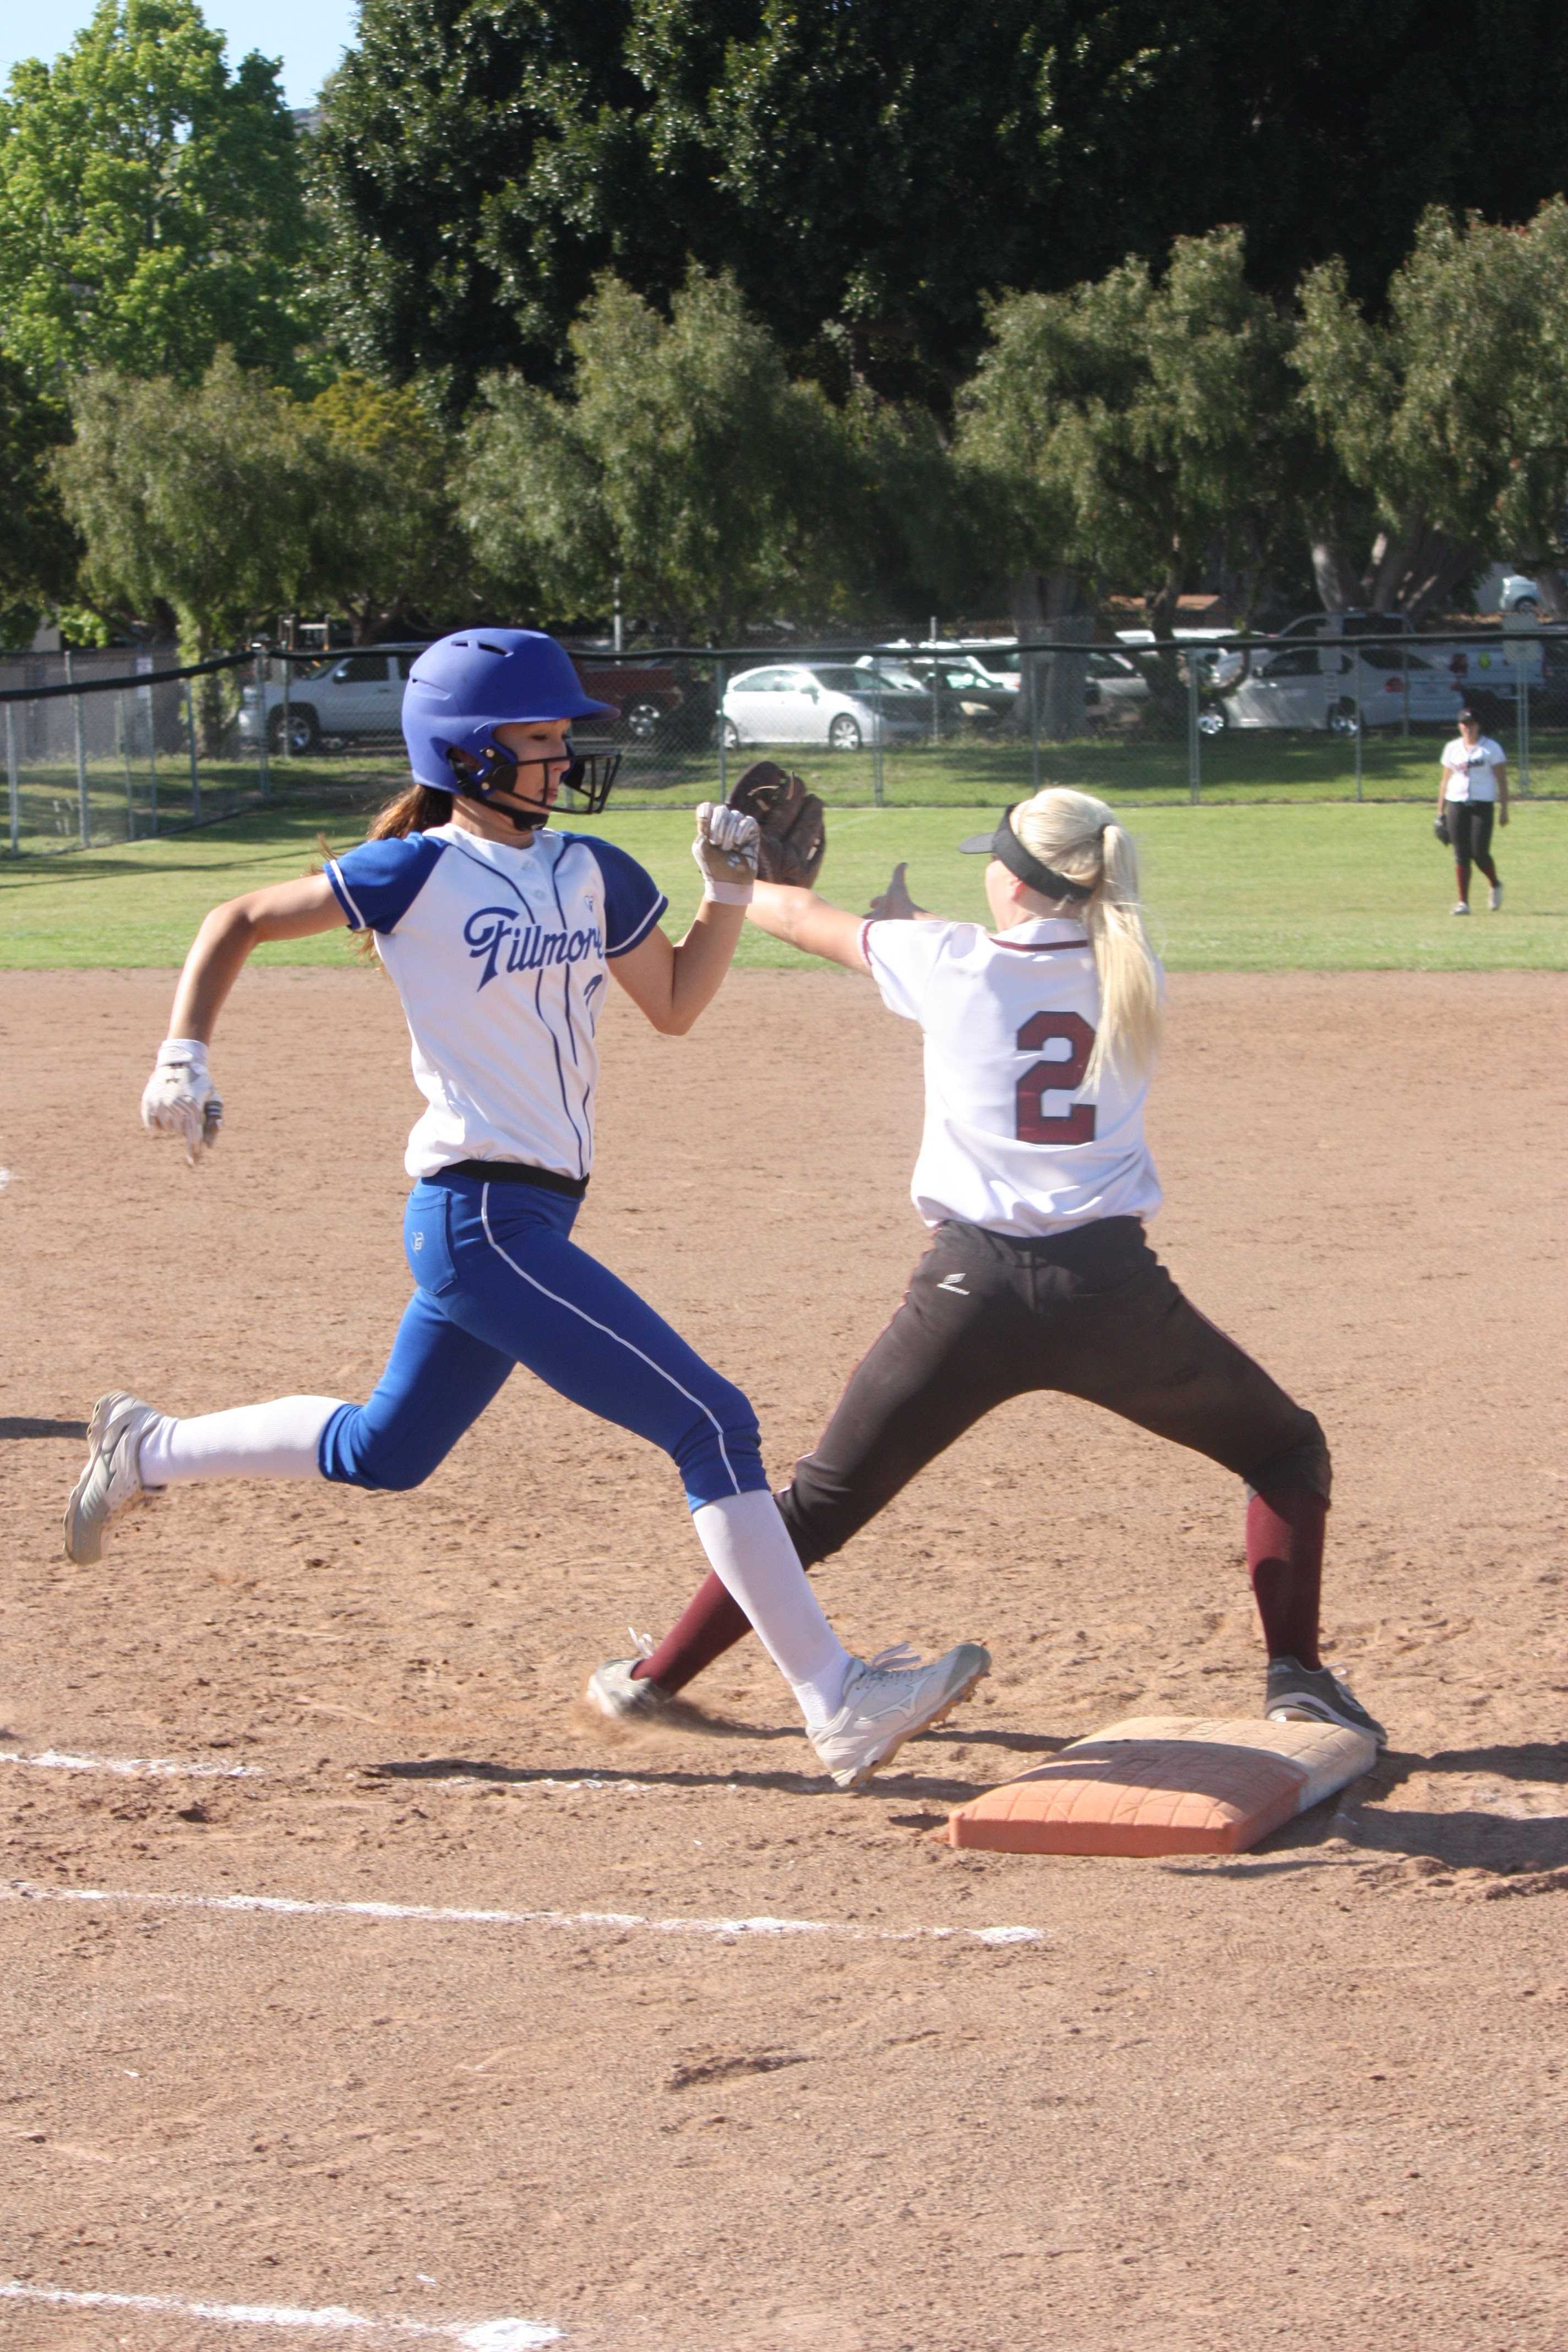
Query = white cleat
x=1461 y=908
x=612 y=1690
x=111 y=1479
x=1494 y=899
x=886 y=1701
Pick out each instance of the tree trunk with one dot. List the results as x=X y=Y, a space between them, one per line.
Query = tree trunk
x=1338 y=587
x=1028 y=623
x=1165 y=602
x=1554 y=586
x=1067 y=675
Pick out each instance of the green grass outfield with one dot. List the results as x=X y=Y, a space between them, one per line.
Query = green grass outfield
x=1228 y=888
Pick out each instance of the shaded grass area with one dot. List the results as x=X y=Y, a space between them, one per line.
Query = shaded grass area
x=1228 y=888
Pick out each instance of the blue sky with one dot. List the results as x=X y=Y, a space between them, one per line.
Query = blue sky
x=309 y=35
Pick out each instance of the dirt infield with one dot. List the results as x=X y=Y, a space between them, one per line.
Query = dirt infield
x=1316 y=2096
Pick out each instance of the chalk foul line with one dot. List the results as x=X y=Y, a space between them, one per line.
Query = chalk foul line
x=135 y=1768
x=485 y=2335
x=296 y=1907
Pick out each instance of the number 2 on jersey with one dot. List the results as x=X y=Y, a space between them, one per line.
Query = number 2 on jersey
x=1041 y=1078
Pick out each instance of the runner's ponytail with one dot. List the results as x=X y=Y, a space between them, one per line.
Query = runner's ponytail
x=1079 y=836
x=415 y=809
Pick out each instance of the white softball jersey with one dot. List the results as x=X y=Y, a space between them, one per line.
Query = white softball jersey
x=1470 y=770
x=500 y=958
x=1012 y=1141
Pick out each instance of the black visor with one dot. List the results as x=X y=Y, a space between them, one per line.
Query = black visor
x=1006 y=845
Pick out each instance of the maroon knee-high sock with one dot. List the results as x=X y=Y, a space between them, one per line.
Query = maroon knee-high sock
x=710 y=1625
x=1285 y=1561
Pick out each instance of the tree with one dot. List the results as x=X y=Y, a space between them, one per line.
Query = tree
x=452 y=248
x=878 y=171
x=38 y=549
x=150 y=202
x=385 y=537
x=1449 y=414
x=199 y=496
x=1139 y=425
x=684 y=464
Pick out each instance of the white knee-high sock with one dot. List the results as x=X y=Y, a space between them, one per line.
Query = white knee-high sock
x=277 y=1440
x=749 y=1550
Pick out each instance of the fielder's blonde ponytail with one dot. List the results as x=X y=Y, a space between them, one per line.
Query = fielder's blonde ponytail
x=1078 y=835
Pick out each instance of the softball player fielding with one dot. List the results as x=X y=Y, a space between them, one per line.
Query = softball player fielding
x=1036 y=1180
x=500 y=933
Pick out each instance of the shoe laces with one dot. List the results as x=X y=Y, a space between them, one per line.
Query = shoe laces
x=643 y=1644
x=896 y=1658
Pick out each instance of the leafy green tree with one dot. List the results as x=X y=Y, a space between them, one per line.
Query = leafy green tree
x=927 y=533
x=201 y=496
x=453 y=245
x=150 y=202
x=1139 y=425
x=1449 y=415
x=870 y=174
x=38 y=549
x=685 y=463
x=385 y=541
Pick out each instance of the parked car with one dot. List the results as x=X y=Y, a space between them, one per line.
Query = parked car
x=646 y=694
x=1323 y=685
x=350 y=697
x=358 y=695
x=1115 y=688
x=1502 y=591
x=831 y=703
x=978 y=686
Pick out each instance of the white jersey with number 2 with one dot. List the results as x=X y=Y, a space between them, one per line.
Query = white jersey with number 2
x=1011 y=1140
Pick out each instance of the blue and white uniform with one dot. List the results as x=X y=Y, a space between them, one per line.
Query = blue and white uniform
x=500 y=956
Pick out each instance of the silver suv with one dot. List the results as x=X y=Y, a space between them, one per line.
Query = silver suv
x=350 y=696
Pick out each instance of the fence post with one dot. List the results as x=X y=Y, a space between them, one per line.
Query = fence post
x=1355 y=684
x=262 y=667
x=1195 y=756
x=1033 y=677
x=84 y=819
x=723 y=762
x=121 y=723
x=935 y=686
x=11 y=779
x=285 y=741
x=195 y=772
x=1521 y=704
x=876 y=758
x=1404 y=668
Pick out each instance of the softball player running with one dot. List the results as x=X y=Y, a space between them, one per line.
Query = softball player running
x=1035 y=1178
x=498 y=933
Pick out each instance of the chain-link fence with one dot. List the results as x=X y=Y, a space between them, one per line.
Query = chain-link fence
x=112 y=747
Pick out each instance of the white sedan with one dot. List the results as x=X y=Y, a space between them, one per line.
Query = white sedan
x=839 y=705
x=1326 y=685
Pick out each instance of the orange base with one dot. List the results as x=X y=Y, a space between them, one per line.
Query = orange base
x=1165 y=1784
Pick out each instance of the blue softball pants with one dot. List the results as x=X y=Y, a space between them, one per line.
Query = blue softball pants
x=501 y=1283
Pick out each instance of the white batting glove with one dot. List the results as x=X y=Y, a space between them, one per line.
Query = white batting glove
x=726 y=850
x=180 y=1098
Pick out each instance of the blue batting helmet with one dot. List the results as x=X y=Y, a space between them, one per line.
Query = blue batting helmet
x=464 y=686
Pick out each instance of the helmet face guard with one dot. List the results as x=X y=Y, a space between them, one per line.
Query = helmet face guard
x=479 y=776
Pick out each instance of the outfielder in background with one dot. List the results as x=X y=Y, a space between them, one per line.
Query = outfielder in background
x=499 y=934
x=1472 y=790
x=1036 y=1180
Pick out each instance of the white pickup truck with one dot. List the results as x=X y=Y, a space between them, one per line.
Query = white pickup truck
x=347 y=696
